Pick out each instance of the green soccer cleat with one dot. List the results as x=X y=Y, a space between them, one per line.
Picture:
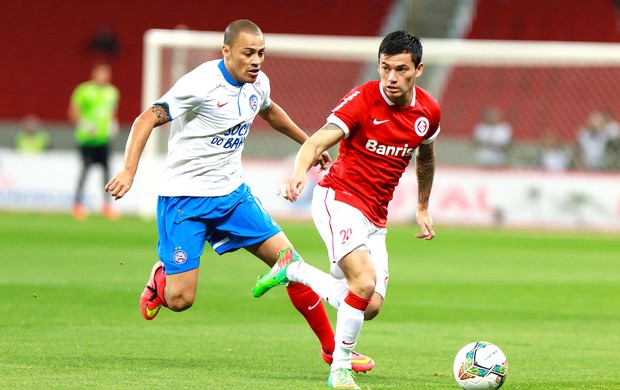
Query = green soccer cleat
x=342 y=378
x=277 y=275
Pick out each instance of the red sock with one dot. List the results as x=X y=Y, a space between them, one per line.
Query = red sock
x=356 y=301
x=310 y=305
x=160 y=283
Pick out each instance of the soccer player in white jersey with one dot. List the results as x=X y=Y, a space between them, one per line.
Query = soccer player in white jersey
x=202 y=197
x=380 y=125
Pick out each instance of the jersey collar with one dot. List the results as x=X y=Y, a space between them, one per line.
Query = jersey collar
x=227 y=75
x=391 y=103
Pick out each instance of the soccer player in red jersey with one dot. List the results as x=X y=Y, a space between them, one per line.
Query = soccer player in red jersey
x=380 y=126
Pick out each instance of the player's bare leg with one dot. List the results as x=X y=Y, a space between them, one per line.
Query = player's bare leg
x=374 y=307
x=181 y=290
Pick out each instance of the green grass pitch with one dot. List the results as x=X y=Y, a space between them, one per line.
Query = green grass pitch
x=69 y=316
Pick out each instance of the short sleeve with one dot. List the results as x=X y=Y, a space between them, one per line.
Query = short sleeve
x=346 y=114
x=186 y=94
x=433 y=136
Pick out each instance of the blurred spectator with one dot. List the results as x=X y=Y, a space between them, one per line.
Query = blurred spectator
x=93 y=109
x=32 y=139
x=492 y=137
x=104 y=42
x=554 y=154
x=612 y=152
x=592 y=140
x=610 y=125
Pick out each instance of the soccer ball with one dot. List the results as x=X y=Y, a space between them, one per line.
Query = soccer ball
x=480 y=365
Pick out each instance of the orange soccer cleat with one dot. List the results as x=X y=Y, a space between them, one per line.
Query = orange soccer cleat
x=359 y=362
x=150 y=303
x=79 y=211
x=110 y=213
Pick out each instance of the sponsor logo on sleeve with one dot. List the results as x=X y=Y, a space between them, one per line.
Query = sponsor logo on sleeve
x=346 y=100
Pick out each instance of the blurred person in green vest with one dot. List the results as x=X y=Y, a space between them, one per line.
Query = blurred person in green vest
x=92 y=109
x=32 y=139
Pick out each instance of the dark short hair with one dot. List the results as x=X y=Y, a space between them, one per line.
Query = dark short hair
x=234 y=29
x=401 y=41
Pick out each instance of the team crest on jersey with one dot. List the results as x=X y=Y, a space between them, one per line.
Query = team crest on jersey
x=254 y=102
x=421 y=126
x=179 y=256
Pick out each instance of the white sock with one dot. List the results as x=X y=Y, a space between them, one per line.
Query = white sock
x=348 y=326
x=326 y=286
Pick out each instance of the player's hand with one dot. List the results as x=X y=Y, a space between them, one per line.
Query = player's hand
x=119 y=184
x=424 y=220
x=291 y=188
x=323 y=161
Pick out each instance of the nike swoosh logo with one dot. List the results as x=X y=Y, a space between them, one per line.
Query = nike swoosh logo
x=376 y=122
x=345 y=343
x=315 y=305
x=151 y=313
x=219 y=104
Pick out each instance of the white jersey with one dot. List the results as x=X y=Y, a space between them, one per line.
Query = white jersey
x=211 y=116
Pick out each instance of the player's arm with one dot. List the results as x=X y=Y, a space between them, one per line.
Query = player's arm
x=140 y=132
x=279 y=120
x=73 y=113
x=425 y=170
x=328 y=136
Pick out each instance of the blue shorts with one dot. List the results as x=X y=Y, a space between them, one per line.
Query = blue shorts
x=229 y=222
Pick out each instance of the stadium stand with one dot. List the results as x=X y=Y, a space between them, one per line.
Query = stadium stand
x=566 y=100
x=47 y=55
x=549 y=20
x=46 y=42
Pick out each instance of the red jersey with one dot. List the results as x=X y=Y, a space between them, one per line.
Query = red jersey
x=380 y=139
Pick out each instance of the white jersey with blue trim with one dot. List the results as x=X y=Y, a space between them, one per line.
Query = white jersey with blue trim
x=211 y=117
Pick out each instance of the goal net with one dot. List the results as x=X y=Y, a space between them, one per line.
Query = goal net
x=540 y=88
x=537 y=86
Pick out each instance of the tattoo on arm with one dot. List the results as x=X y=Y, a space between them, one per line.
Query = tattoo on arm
x=425 y=169
x=161 y=111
